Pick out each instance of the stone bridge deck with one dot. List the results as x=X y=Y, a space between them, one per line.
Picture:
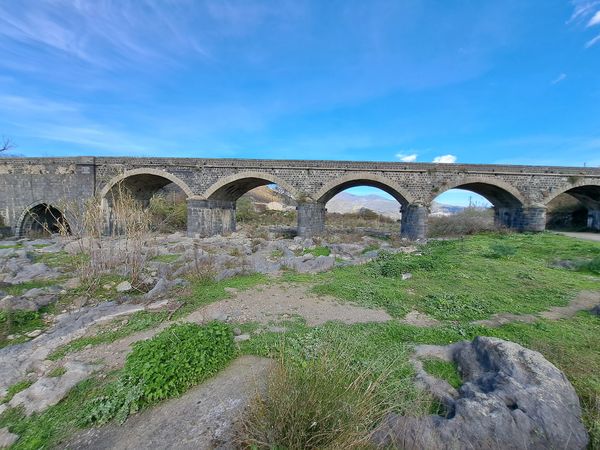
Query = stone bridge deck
x=520 y=194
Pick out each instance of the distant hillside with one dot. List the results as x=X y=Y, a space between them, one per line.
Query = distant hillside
x=267 y=197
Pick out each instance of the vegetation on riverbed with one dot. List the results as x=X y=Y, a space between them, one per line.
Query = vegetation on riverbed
x=456 y=282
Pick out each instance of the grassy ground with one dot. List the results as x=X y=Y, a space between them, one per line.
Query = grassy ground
x=455 y=281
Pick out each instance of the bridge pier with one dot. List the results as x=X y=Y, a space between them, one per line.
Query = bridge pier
x=210 y=217
x=593 y=221
x=532 y=218
x=413 y=224
x=311 y=219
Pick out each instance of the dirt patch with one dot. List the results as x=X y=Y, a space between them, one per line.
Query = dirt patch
x=418 y=319
x=584 y=300
x=205 y=417
x=585 y=236
x=284 y=301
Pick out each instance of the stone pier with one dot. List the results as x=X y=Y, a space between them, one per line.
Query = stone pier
x=210 y=217
x=593 y=221
x=311 y=219
x=414 y=222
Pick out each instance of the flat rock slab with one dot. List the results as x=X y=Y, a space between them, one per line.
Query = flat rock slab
x=276 y=302
x=203 y=418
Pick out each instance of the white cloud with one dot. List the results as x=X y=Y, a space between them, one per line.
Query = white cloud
x=445 y=159
x=407 y=158
x=595 y=20
x=559 y=78
x=593 y=41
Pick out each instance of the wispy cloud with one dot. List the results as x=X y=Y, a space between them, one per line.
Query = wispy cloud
x=595 y=20
x=558 y=79
x=588 y=12
x=411 y=157
x=445 y=159
x=592 y=41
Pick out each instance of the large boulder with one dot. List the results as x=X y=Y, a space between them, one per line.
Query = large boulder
x=511 y=398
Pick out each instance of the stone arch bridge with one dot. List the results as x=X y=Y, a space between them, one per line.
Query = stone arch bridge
x=520 y=194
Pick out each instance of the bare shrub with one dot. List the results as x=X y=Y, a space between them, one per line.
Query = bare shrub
x=110 y=238
x=204 y=264
x=469 y=221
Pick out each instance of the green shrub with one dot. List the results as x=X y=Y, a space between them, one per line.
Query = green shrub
x=393 y=265
x=501 y=250
x=164 y=366
x=179 y=357
x=318 y=251
x=448 y=306
x=323 y=403
x=591 y=266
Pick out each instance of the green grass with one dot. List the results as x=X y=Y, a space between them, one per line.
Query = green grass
x=168 y=258
x=57 y=372
x=318 y=251
x=21 y=288
x=19 y=322
x=452 y=279
x=64 y=260
x=15 y=389
x=445 y=370
x=455 y=281
x=117 y=329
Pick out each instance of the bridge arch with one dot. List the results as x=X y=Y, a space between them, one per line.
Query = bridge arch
x=337 y=185
x=585 y=194
x=232 y=187
x=145 y=178
x=498 y=192
x=42 y=217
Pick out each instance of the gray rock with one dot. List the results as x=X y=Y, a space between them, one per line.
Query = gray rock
x=7 y=438
x=237 y=332
x=29 y=272
x=34 y=333
x=3 y=408
x=48 y=391
x=241 y=338
x=160 y=288
x=595 y=310
x=124 y=286
x=10 y=303
x=406 y=276
x=512 y=398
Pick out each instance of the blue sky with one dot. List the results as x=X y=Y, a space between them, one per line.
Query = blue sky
x=509 y=81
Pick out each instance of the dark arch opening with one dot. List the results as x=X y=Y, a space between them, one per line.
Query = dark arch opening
x=43 y=220
x=473 y=207
x=576 y=209
x=164 y=199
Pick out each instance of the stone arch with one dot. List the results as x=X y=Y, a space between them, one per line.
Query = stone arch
x=232 y=187
x=496 y=191
x=340 y=184
x=146 y=171
x=39 y=215
x=579 y=187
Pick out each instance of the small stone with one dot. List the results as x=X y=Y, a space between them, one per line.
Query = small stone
x=7 y=438
x=34 y=333
x=72 y=283
x=10 y=337
x=406 y=276
x=124 y=286
x=237 y=331
x=241 y=338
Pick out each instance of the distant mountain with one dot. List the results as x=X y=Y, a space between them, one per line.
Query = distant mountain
x=345 y=202
x=272 y=197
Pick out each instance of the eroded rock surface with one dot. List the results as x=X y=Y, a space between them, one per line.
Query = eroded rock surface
x=205 y=417
x=512 y=398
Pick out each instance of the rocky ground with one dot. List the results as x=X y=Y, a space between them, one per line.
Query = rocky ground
x=47 y=276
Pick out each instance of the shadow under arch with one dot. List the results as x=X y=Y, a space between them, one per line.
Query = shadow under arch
x=41 y=218
x=232 y=187
x=587 y=194
x=144 y=182
x=499 y=193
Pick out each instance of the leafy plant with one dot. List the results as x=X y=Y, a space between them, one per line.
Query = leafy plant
x=499 y=250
